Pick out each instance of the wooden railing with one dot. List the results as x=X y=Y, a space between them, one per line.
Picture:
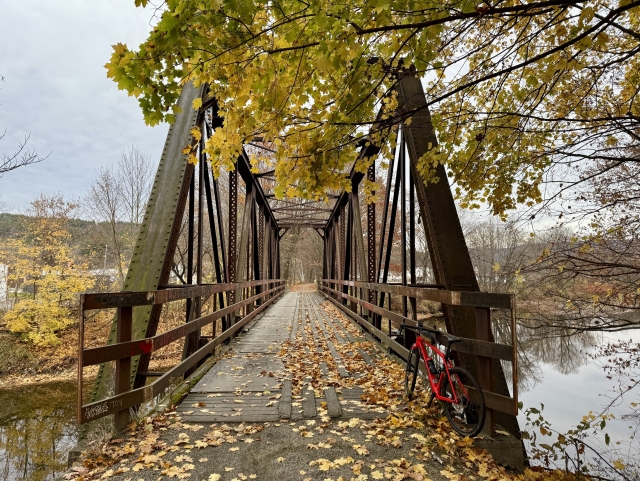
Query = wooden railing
x=125 y=348
x=485 y=350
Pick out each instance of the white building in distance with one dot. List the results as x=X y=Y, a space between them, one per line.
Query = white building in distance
x=4 y=273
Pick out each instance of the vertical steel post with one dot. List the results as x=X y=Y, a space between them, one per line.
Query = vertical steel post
x=403 y=221
x=277 y=259
x=214 y=239
x=242 y=266
x=339 y=255
x=190 y=229
x=257 y=274
x=124 y=377
x=485 y=364
x=347 y=274
x=201 y=165
x=371 y=239
x=233 y=234
x=216 y=194
x=358 y=235
x=325 y=254
x=392 y=226
x=190 y=339
x=412 y=243
x=343 y=224
x=385 y=212
x=261 y=246
x=80 y=399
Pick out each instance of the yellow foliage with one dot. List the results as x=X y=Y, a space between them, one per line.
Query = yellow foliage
x=42 y=264
x=509 y=99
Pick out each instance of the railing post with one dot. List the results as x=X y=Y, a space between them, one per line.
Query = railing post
x=353 y=304
x=485 y=364
x=80 y=357
x=123 y=366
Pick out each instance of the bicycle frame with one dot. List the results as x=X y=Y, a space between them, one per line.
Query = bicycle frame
x=436 y=385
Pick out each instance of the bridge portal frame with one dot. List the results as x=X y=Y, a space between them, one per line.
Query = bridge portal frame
x=255 y=255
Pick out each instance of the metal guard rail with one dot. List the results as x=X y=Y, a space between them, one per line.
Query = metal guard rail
x=122 y=352
x=485 y=350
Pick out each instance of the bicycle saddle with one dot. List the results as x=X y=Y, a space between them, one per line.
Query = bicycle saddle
x=451 y=339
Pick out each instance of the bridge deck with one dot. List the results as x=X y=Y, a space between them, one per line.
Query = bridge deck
x=297 y=361
x=294 y=399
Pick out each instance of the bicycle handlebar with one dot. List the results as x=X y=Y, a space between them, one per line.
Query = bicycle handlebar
x=437 y=335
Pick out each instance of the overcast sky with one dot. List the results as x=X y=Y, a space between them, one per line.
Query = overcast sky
x=52 y=56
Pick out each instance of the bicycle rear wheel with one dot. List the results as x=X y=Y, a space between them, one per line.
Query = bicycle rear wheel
x=411 y=373
x=467 y=415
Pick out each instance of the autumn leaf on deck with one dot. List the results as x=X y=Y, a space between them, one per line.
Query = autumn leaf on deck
x=361 y=449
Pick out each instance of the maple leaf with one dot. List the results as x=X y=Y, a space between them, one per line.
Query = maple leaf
x=361 y=449
x=449 y=475
x=172 y=471
x=128 y=449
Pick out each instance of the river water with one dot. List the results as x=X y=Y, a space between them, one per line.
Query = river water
x=37 y=423
x=566 y=374
x=37 y=430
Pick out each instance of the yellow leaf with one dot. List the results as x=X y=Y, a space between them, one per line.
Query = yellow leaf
x=197 y=103
x=618 y=464
x=196 y=134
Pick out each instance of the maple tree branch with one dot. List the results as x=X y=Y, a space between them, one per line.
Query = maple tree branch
x=462 y=16
x=298 y=47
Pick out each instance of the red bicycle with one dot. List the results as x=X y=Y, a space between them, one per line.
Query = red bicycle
x=463 y=407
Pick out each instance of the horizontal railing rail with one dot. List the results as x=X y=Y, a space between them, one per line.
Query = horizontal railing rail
x=122 y=352
x=483 y=349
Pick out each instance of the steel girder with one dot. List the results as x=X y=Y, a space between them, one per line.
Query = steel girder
x=173 y=190
x=447 y=247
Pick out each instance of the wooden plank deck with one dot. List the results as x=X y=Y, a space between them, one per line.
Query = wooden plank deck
x=253 y=383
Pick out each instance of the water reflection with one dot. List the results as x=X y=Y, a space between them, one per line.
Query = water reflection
x=541 y=348
x=37 y=430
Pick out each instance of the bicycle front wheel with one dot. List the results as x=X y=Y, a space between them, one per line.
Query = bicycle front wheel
x=467 y=415
x=411 y=372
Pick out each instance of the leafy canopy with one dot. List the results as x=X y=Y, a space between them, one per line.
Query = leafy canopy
x=514 y=86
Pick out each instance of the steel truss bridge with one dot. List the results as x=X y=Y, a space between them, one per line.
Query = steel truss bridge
x=245 y=250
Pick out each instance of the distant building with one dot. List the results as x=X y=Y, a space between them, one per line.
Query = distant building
x=4 y=274
x=110 y=273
